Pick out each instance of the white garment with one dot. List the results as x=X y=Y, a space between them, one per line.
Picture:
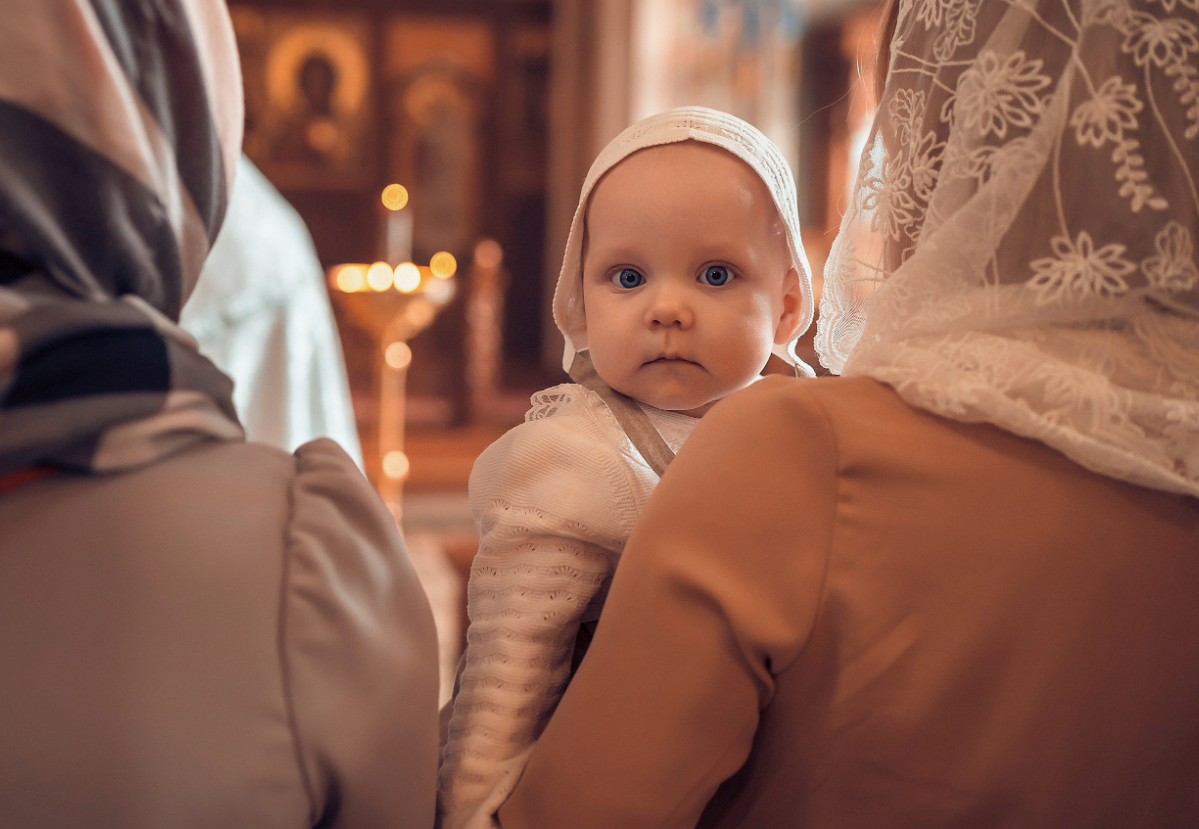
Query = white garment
x=1021 y=248
x=262 y=314
x=554 y=500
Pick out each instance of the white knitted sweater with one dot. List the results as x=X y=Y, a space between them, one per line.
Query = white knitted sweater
x=554 y=500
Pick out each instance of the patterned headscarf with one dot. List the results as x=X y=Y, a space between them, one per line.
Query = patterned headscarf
x=120 y=124
x=710 y=126
x=1021 y=248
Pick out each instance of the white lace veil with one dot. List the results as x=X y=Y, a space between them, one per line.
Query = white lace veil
x=1021 y=246
x=710 y=126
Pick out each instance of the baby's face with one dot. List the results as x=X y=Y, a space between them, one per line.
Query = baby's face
x=687 y=280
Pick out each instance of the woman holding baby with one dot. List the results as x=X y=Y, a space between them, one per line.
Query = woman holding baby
x=955 y=586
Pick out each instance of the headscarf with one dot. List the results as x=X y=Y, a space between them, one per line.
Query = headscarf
x=1021 y=247
x=709 y=126
x=119 y=131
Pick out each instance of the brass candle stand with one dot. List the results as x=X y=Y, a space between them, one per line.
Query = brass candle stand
x=392 y=305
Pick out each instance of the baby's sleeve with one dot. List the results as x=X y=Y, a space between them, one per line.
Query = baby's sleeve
x=554 y=502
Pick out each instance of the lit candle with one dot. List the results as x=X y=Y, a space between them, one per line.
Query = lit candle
x=397 y=225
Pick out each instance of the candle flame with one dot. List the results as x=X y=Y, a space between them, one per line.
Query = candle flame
x=379 y=276
x=407 y=277
x=395 y=196
x=443 y=264
x=350 y=278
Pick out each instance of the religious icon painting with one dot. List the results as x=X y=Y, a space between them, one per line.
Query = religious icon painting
x=439 y=74
x=309 y=96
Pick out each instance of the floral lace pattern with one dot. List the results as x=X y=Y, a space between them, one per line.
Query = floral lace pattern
x=1021 y=246
x=547 y=402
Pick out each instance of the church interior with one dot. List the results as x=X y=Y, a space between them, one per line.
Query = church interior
x=435 y=149
x=386 y=437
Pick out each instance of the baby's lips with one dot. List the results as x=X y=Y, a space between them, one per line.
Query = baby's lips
x=671 y=358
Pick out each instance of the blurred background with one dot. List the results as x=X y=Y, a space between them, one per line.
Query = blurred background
x=434 y=150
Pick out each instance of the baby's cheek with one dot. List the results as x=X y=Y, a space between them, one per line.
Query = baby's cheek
x=609 y=365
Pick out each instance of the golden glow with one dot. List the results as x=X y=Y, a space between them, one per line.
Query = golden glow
x=443 y=265
x=420 y=313
x=488 y=253
x=350 y=278
x=398 y=355
x=395 y=196
x=395 y=465
x=407 y=277
x=379 y=277
x=439 y=291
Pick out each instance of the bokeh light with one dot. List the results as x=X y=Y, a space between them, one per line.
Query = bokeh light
x=379 y=276
x=443 y=264
x=420 y=313
x=350 y=278
x=407 y=277
x=488 y=253
x=398 y=355
x=395 y=196
x=395 y=465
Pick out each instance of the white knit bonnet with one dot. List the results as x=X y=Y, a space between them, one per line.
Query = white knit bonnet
x=686 y=124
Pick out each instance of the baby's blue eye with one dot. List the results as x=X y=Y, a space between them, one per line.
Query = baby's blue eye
x=716 y=275
x=627 y=278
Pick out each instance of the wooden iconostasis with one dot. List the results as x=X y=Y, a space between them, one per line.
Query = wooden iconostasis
x=445 y=97
x=452 y=98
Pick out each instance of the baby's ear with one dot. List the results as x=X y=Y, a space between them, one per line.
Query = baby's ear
x=788 y=323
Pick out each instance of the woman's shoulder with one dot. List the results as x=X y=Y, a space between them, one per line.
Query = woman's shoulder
x=323 y=468
x=783 y=403
x=256 y=464
x=866 y=423
x=258 y=496
x=243 y=473
x=782 y=387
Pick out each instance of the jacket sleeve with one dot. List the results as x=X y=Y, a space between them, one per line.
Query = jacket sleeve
x=553 y=505
x=716 y=592
x=358 y=651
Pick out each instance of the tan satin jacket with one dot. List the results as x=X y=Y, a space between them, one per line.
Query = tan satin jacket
x=232 y=638
x=838 y=611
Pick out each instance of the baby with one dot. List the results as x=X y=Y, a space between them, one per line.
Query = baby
x=683 y=271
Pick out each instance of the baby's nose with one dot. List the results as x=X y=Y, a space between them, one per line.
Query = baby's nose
x=669 y=308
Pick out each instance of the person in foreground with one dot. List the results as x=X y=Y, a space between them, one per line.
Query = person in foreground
x=683 y=271
x=195 y=631
x=956 y=585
